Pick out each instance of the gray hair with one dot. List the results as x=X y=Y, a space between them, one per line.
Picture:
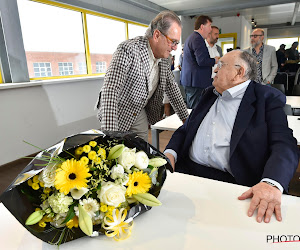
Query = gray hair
x=250 y=64
x=162 y=22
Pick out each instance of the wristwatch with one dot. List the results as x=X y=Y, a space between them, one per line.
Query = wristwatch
x=271 y=184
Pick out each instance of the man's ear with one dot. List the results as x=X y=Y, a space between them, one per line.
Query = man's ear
x=156 y=35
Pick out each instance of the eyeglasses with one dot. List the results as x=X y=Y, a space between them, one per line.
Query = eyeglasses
x=173 y=42
x=255 y=36
x=221 y=64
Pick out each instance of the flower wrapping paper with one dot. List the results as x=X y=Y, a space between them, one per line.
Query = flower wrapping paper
x=21 y=207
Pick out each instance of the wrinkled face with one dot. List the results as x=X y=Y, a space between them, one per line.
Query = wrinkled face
x=214 y=36
x=227 y=72
x=256 y=38
x=167 y=42
x=205 y=29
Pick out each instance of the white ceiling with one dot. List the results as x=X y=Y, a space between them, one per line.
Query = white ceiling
x=265 y=12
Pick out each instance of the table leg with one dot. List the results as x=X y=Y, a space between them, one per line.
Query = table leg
x=155 y=138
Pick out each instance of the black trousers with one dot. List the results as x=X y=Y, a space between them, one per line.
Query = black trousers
x=187 y=166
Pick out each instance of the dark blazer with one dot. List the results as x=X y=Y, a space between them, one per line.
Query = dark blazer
x=262 y=145
x=197 y=63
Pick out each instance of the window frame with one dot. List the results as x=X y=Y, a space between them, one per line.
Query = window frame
x=83 y=12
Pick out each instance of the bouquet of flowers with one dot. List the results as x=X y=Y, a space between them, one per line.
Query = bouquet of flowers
x=88 y=184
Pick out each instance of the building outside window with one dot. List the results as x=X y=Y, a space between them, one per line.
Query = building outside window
x=82 y=68
x=65 y=68
x=42 y=69
x=100 y=67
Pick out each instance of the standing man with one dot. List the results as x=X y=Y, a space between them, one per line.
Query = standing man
x=213 y=49
x=137 y=77
x=265 y=55
x=196 y=72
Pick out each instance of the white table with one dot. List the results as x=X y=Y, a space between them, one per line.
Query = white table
x=294 y=101
x=197 y=213
x=170 y=123
x=294 y=124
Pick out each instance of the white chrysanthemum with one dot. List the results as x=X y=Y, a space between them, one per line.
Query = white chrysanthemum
x=90 y=205
x=60 y=203
x=48 y=175
x=127 y=158
x=78 y=193
x=141 y=160
x=117 y=171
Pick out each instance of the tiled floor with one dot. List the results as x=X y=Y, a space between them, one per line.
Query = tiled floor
x=10 y=171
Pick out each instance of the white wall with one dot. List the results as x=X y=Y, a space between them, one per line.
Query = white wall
x=237 y=25
x=45 y=113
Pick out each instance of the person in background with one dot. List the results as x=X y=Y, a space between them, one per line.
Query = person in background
x=238 y=133
x=213 y=49
x=265 y=55
x=281 y=58
x=180 y=59
x=197 y=64
x=292 y=53
x=138 y=76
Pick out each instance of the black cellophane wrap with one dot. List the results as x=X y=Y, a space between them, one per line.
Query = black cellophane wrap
x=21 y=207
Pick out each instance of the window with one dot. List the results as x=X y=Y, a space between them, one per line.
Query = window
x=100 y=67
x=65 y=68
x=102 y=41
x=42 y=69
x=136 y=30
x=288 y=41
x=82 y=68
x=61 y=34
x=51 y=34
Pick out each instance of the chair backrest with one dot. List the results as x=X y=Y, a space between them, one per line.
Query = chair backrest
x=279 y=87
x=288 y=109
x=297 y=77
x=296 y=90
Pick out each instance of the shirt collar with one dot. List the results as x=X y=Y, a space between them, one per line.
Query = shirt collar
x=234 y=91
x=208 y=46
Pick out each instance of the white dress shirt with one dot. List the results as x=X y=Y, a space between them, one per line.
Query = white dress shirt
x=213 y=52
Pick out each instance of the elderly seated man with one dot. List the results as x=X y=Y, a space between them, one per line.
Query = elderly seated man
x=238 y=133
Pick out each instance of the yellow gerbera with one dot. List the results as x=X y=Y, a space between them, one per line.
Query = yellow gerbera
x=138 y=182
x=71 y=174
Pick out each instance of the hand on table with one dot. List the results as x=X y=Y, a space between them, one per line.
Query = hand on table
x=172 y=160
x=266 y=199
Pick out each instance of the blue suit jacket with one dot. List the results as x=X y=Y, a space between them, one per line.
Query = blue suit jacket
x=197 y=64
x=262 y=145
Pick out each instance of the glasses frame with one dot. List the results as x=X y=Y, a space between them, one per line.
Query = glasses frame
x=220 y=64
x=173 y=42
x=255 y=36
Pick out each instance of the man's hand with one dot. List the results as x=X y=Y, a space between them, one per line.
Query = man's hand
x=172 y=160
x=217 y=59
x=266 y=199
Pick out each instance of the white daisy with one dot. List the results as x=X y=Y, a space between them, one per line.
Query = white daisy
x=90 y=205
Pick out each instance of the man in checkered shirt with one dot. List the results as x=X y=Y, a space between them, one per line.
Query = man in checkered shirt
x=137 y=77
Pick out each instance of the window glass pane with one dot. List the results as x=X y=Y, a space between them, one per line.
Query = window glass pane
x=136 y=30
x=49 y=41
x=104 y=37
x=276 y=42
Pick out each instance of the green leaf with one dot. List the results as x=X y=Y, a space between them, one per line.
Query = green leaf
x=34 y=218
x=71 y=213
x=147 y=199
x=115 y=151
x=85 y=221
